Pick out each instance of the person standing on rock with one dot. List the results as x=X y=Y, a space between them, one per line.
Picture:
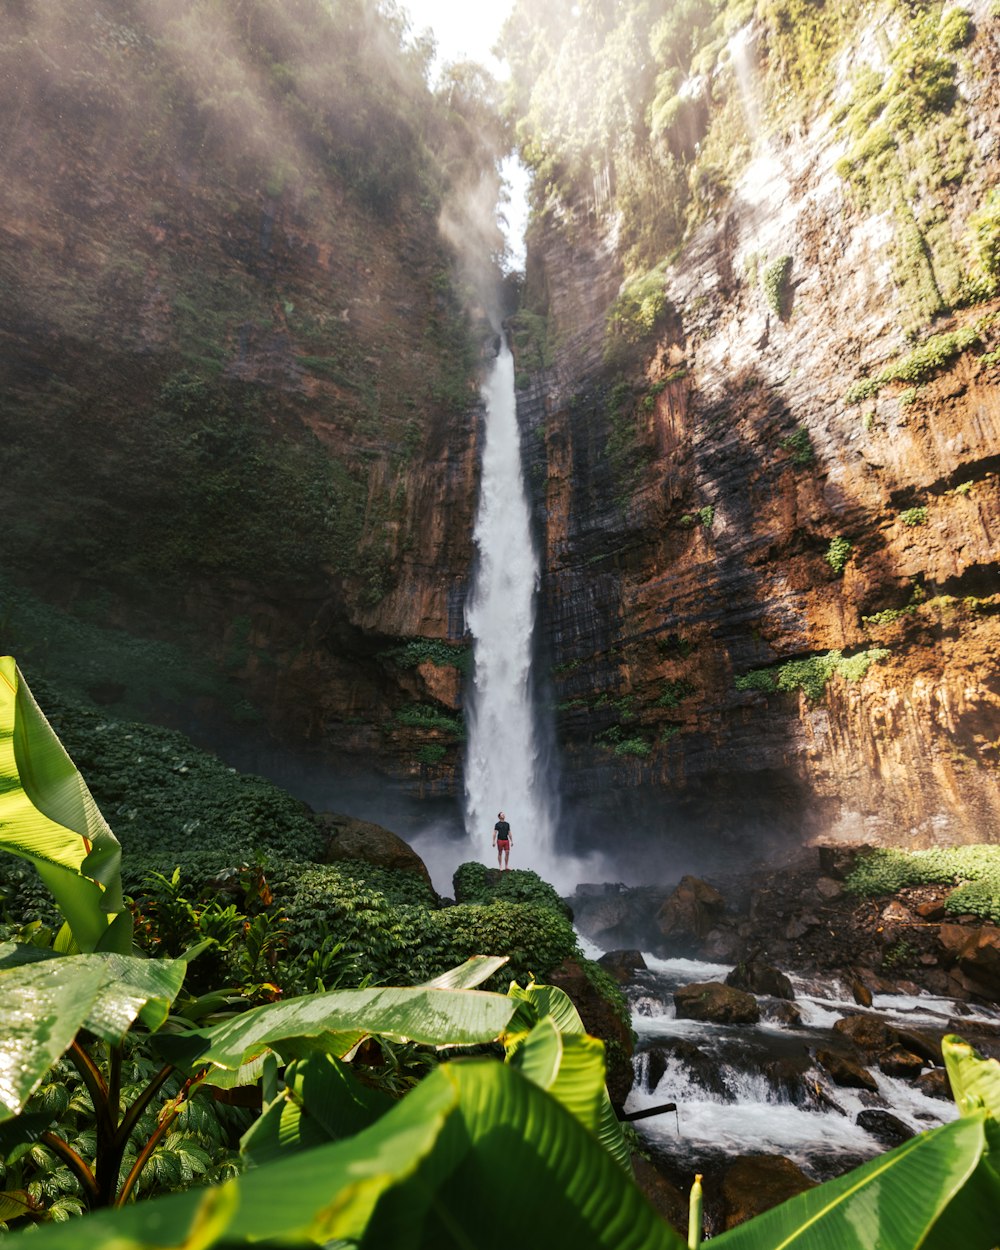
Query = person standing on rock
x=502 y=841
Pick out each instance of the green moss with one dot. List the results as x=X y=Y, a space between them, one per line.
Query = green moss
x=434 y=651
x=633 y=746
x=914 y=516
x=774 y=282
x=641 y=306
x=800 y=445
x=420 y=716
x=811 y=674
x=838 y=553
x=929 y=358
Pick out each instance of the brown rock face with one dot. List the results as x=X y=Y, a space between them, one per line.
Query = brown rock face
x=688 y=498
x=720 y=1004
x=756 y=1183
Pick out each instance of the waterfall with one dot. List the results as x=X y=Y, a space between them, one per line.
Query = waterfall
x=503 y=767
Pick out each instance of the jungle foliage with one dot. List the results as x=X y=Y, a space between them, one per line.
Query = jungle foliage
x=113 y=1071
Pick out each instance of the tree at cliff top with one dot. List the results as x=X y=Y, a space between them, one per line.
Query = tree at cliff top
x=231 y=323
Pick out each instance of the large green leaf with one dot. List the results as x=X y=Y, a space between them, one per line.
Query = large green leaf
x=975 y=1081
x=476 y=1156
x=467 y=976
x=322 y=1101
x=337 y=1020
x=972 y=1220
x=49 y=817
x=569 y=1065
x=47 y=1002
x=890 y=1203
x=538 y=1002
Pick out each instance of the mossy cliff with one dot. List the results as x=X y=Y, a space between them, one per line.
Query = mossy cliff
x=764 y=447
x=238 y=362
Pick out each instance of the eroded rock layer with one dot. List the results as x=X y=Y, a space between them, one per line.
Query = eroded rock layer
x=770 y=594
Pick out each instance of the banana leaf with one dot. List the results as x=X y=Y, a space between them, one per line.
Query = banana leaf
x=973 y=1219
x=467 y=976
x=336 y=1021
x=322 y=1101
x=538 y=1002
x=49 y=817
x=890 y=1203
x=476 y=1156
x=48 y=1001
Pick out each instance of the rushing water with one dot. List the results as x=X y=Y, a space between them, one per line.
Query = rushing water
x=744 y=1089
x=503 y=768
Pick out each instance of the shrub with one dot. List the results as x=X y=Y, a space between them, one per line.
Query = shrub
x=922 y=363
x=633 y=746
x=914 y=516
x=800 y=445
x=706 y=515
x=536 y=938
x=837 y=553
x=774 y=281
x=974 y=869
x=811 y=674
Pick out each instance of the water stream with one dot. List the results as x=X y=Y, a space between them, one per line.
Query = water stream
x=743 y=1089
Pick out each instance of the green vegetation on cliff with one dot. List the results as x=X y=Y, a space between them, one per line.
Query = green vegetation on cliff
x=655 y=114
x=974 y=871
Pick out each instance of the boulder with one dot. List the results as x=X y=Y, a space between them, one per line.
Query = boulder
x=712 y=1001
x=980 y=957
x=721 y=945
x=690 y=913
x=883 y=1125
x=601 y=1019
x=348 y=838
x=756 y=1183
x=860 y=992
x=663 y=1195
x=800 y=925
x=760 y=978
x=703 y=1069
x=780 y=1011
x=622 y=964
x=846 y=1072
x=868 y=1033
x=902 y=1063
x=926 y=1045
x=934 y=1083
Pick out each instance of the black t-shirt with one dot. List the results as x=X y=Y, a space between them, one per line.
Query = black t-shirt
x=503 y=831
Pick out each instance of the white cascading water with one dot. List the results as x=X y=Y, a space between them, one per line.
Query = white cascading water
x=503 y=770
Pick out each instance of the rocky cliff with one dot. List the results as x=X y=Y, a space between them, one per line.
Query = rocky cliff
x=238 y=370
x=770 y=515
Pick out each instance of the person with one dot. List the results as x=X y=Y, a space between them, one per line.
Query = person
x=502 y=841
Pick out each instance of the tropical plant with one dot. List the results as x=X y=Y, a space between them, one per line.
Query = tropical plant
x=51 y=819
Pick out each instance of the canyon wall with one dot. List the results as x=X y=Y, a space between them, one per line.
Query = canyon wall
x=238 y=366
x=719 y=512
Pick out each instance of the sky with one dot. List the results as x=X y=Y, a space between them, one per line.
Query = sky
x=467 y=30
x=464 y=29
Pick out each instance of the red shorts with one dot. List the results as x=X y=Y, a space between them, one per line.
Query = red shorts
x=503 y=844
